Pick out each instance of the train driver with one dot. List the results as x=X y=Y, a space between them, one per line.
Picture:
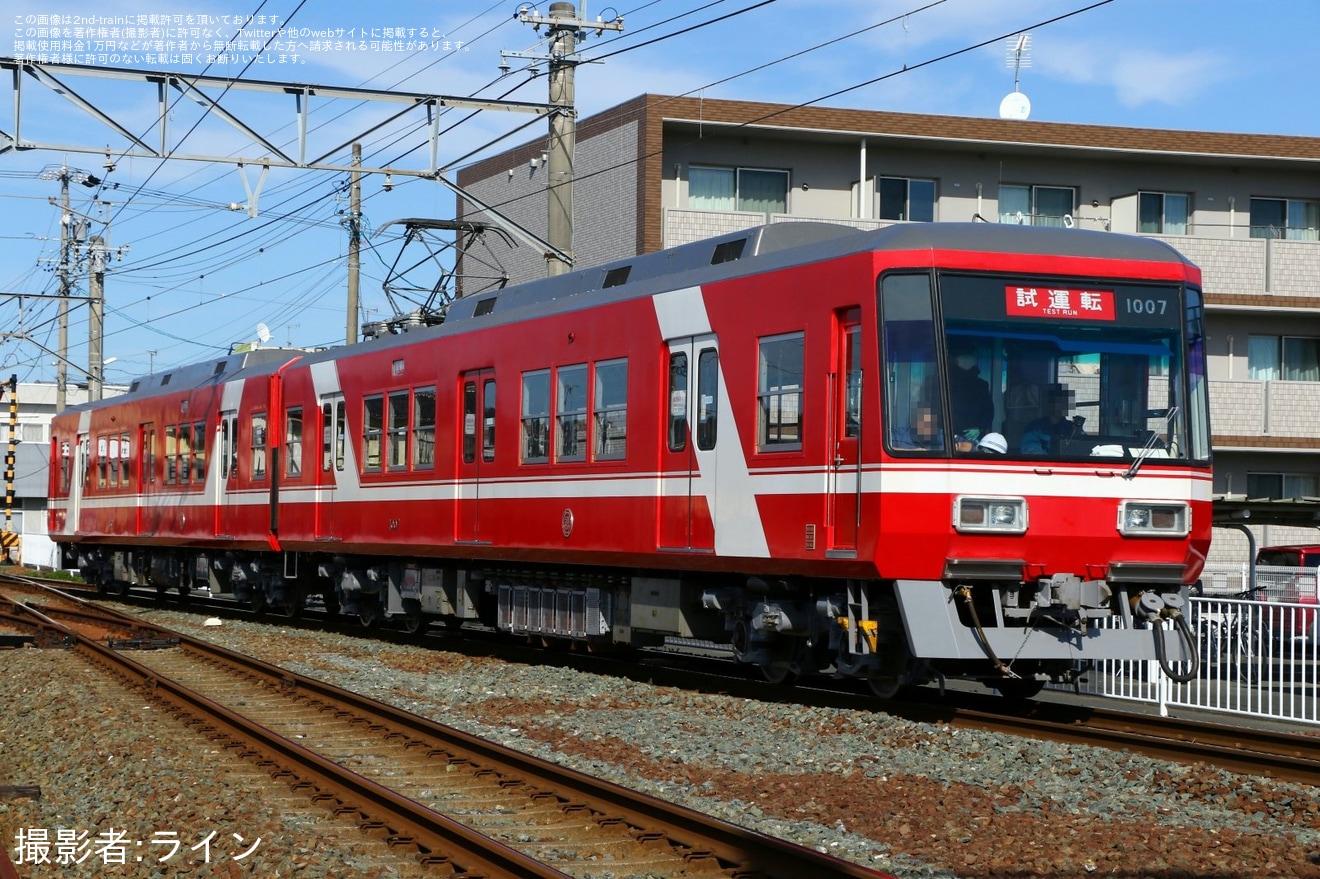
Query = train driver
x=1042 y=433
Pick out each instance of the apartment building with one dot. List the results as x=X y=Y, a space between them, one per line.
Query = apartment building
x=658 y=171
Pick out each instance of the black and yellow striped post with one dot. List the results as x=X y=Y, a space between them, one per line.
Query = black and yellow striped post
x=8 y=539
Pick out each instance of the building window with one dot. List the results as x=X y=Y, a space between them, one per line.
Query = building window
x=738 y=189
x=610 y=410
x=779 y=393
x=1162 y=213
x=1037 y=205
x=1283 y=485
x=536 y=417
x=293 y=444
x=398 y=430
x=423 y=429
x=905 y=199
x=373 y=422
x=1285 y=218
x=571 y=413
x=1290 y=358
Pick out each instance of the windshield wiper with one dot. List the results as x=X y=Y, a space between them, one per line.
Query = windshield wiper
x=1150 y=444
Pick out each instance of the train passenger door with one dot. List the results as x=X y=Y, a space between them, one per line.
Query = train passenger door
x=476 y=450
x=226 y=506
x=334 y=438
x=687 y=496
x=76 y=461
x=149 y=510
x=845 y=425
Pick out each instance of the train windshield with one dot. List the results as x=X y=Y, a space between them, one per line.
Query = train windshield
x=1056 y=369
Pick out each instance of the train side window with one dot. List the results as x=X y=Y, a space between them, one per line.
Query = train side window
x=103 y=461
x=185 y=452
x=125 y=472
x=199 y=452
x=469 y=422
x=423 y=429
x=258 y=446
x=611 y=410
x=293 y=444
x=65 y=467
x=227 y=462
x=333 y=433
x=571 y=413
x=118 y=467
x=171 y=454
x=678 y=382
x=373 y=420
x=779 y=392
x=708 y=392
x=398 y=430
x=148 y=435
x=912 y=397
x=488 y=420
x=536 y=417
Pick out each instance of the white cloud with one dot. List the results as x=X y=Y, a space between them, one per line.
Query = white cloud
x=1138 y=76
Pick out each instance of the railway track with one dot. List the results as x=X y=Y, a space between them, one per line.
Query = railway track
x=1248 y=750
x=442 y=797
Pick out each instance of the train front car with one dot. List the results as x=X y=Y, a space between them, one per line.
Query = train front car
x=1043 y=498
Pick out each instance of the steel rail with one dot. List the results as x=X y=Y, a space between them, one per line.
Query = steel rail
x=438 y=839
x=748 y=852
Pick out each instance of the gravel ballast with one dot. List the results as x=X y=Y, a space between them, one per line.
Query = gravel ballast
x=908 y=798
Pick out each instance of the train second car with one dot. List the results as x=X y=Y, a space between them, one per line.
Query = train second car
x=962 y=450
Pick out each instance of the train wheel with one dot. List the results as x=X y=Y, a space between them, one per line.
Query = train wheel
x=885 y=686
x=413 y=622
x=777 y=674
x=258 y=601
x=294 y=600
x=368 y=612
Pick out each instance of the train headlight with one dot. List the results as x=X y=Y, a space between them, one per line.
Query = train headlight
x=1153 y=519
x=997 y=515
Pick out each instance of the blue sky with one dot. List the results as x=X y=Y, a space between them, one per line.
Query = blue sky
x=198 y=277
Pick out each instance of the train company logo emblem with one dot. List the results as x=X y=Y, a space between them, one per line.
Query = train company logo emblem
x=1055 y=302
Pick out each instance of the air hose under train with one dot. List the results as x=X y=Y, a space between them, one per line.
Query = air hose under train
x=1156 y=608
x=964 y=594
x=1180 y=622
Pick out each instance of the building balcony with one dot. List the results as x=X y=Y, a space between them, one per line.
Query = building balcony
x=1265 y=415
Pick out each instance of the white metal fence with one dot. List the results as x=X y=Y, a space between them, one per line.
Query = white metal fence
x=1258 y=650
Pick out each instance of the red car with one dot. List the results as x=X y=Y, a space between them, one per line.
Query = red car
x=1296 y=590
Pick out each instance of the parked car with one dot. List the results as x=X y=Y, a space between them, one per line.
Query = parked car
x=1290 y=623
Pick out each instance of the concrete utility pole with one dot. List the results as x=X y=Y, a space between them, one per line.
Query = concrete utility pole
x=66 y=260
x=96 y=318
x=354 y=224
x=564 y=28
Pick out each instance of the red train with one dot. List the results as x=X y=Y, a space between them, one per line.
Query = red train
x=937 y=449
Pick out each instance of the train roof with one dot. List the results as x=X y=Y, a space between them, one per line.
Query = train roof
x=751 y=251
x=778 y=245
